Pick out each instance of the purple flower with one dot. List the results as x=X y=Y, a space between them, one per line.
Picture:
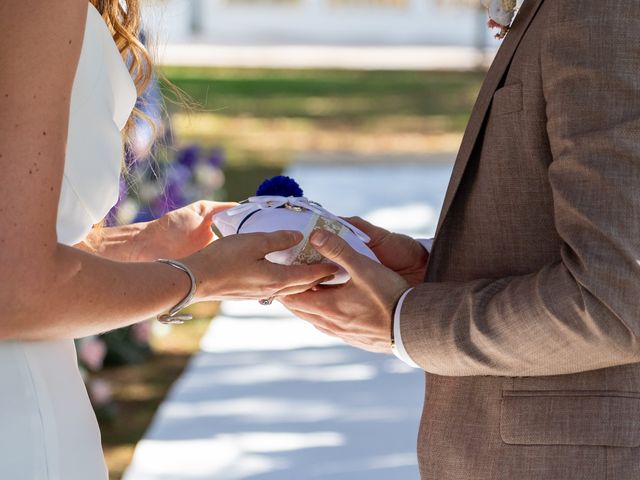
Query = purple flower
x=216 y=159
x=178 y=173
x=144 y=215
x=172 y=197
x=188 y=156
x=112 y=217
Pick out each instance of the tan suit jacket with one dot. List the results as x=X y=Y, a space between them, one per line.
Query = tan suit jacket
x=528 y=324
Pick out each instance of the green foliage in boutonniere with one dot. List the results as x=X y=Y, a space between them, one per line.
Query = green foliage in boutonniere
x=501 y=13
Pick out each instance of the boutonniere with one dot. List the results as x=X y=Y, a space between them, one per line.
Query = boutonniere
x=501 y=13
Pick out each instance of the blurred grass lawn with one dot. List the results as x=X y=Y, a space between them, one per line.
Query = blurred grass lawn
x=262 y=119
x=268 y=116
x=330 y=94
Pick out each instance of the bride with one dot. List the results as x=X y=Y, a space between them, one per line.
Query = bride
x=66 y=96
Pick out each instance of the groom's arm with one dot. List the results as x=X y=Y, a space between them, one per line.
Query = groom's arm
x=583 y=312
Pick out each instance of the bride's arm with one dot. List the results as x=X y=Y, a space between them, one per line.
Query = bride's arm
x=178 y=233
x=113 y=242
x=50 y=290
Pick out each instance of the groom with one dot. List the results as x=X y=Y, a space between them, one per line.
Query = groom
x=527 y=320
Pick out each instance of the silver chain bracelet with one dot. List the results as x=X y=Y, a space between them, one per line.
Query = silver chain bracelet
x=173 y=317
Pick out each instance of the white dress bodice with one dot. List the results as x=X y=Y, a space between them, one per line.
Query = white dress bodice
x=47 y=426
x=101 y=102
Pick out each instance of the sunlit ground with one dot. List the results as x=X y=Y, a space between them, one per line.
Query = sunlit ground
x=271 y=398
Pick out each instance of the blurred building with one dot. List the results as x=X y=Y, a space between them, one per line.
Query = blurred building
x=321 y=22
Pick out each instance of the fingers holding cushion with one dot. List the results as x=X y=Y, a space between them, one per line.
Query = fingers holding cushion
x=326 y=301
x=375 y=233
x=298 y=289
x=292 y=275
x=208 y=208
x=276 y=241
x=337 y=250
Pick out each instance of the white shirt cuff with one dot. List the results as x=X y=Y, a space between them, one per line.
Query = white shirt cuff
x=427 y=243
x=398 y=347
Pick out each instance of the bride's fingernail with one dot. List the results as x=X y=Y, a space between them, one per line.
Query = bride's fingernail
x=319 y=238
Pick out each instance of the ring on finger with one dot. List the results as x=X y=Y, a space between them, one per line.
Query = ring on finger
x=266 y=301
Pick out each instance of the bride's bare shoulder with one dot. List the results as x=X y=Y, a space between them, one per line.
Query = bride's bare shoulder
x=40 y=35
x=39 y=54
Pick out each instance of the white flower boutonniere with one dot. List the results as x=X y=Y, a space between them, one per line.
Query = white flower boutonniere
x=501 y=13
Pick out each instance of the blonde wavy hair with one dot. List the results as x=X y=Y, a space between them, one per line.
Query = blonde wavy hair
x=123 y=19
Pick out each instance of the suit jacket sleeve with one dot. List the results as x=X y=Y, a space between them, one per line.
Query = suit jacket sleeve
x=583 y=312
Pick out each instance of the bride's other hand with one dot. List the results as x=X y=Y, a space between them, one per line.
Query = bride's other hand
x=176 y=234
x=179 y=233
x=235 y=267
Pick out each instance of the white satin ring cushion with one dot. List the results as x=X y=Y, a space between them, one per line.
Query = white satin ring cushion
x=242 y=220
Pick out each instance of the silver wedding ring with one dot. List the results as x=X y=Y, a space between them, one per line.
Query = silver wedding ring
x=266 y=301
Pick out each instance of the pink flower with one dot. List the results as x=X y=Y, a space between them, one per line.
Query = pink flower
x=100 y=392
x=91 y=351
x=142 y=332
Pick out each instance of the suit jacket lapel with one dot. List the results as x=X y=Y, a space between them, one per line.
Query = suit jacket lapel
x=492 y=81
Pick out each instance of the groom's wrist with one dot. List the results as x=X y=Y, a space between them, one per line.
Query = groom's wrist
x=397 y=346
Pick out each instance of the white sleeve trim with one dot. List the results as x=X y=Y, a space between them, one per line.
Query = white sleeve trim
x=398 y=347
x=427 y=243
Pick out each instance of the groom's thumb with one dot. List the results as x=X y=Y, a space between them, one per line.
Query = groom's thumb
x=334 y=248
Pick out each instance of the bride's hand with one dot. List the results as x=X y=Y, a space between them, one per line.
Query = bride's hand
x=178 y=233
x=235 y=267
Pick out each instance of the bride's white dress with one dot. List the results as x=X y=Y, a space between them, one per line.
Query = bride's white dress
x=47 y=427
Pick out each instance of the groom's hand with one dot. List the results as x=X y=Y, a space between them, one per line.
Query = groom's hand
x=359 y=312
x=400 y=253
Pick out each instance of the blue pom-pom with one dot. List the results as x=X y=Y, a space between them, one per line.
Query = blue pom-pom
x=280 y=186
